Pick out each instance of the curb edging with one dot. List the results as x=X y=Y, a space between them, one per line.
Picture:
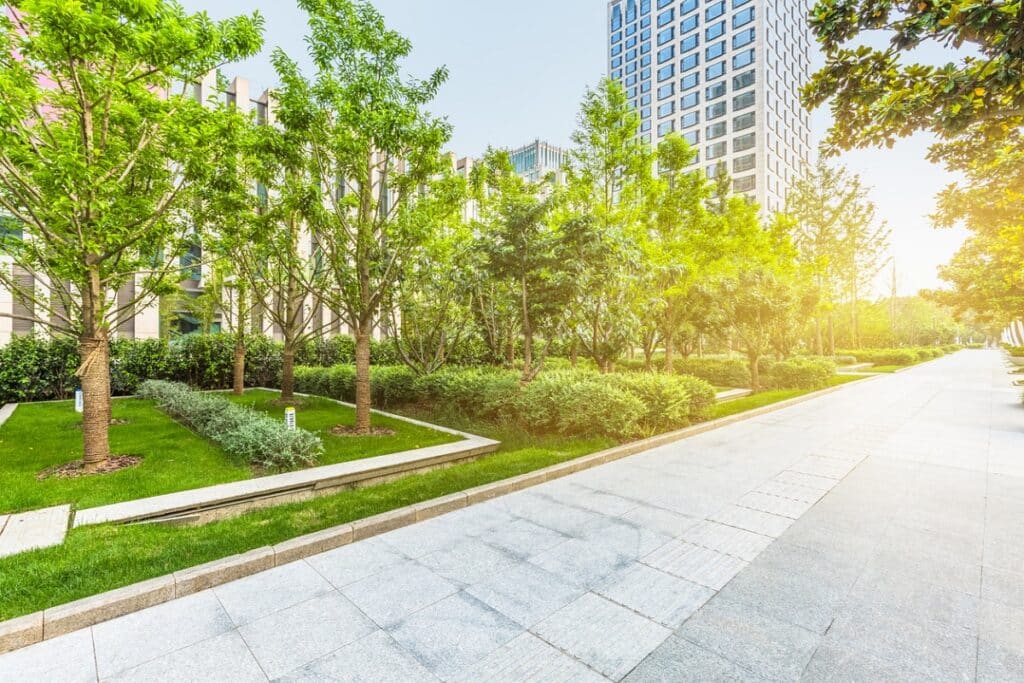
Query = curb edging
x=54 y=621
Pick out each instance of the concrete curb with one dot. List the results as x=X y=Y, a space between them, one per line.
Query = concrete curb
x=27 y=630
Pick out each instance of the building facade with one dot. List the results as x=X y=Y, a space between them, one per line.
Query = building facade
x=537 y=160
x=726 y=75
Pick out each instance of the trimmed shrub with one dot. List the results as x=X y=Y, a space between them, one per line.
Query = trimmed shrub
x=722 y=372
x=485 y=392
x=390 y=385
x=883 y=356
x=665 y=399
x=572 y=402
x=702 y=397
x=37 y=369
x=242 y=432
x=1015 y=351
x=800 y=373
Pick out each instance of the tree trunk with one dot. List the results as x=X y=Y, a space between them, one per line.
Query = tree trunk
x=95 y=375
x=831 y=335
x=527 y=336
x=574 y=353
x=362 y=378
x=819 y=343
x=238 y=373
x=288 y=373
x=670 y=349
x=755 y=371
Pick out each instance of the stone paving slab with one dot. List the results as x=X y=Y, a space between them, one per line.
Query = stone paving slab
x=32 y=530
x=658 y=567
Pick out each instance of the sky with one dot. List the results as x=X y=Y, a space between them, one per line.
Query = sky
x=518 y=70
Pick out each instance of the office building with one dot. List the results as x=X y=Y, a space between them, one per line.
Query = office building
x=725 y=74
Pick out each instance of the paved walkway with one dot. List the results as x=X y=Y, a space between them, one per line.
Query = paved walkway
x=872 y=534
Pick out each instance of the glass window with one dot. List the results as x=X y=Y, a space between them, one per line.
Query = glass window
x=667 y=90
x=743 y=101
x=715 y=51
x=715 y=31
x=716 y=10
x=718 y=149
x=744 y=184
x=744 y=163
x=666 y=72
x=693 y=137
x=665 y=128
x=690 y=80
x=716 y=110
x=666 y=54
x=691 y=118
x=713 y=92
x=689 y=42
x=743 y=122
x=666 y=35
x=616 y=17
x=690 y=100
x=715 y=70
x=630 y=10
x=743 y=17
x=743 y=59
x=666 y=18
x=689 y=23
x=744 y=142
x=743 y=80
x=743 y=38
x=717 y=130
x=664 y=110
x=690 y=61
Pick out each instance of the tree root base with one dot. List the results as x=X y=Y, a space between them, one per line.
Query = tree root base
x=73 y=470
x=348 y=430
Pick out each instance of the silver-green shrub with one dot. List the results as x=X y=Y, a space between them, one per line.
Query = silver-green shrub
x=241 y=432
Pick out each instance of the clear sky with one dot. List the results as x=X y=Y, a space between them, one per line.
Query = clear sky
x=518 y=71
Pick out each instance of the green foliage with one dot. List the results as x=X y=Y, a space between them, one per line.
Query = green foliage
x=722 y=372
x=244 y=433
x=1016 y=351
x=37 y=369
x=884 y=356
x=390 y=385
x=483 y=392
x=801 y=373
x=665 y=399
x=567 y=402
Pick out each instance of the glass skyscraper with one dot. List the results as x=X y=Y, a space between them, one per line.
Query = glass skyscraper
x=727 y=75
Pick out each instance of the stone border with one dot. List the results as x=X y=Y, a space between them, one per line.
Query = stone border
x=55 y=621
x=219 y=501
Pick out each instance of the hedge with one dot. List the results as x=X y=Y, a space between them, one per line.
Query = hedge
x=240 y=431
x=719 y=371
x=800 y=373
x=38 y=369
x=1015 y=351
x=625 y=405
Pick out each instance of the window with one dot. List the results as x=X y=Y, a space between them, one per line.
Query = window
x=666 y=128
x=616 y=17
x=690 y=119
x=690 y=100
x=689 y=43
x=743 y=80
x=690 y=80
x=715 y=51
x=667 y=90
x=617 y=50
x=688 y=24
x=715 y=31
x=717 y=130
x=663 y=110
x=666 y=18
x=743 y=122
x=630 y=11
x=743 y=59
x=716 y=110
x=666 y=35
x=664 y=3
x=743 y=38
x=714 y=11
x=714 y=71
x=744 y=184
x=743 y=101
x=743 y=17
x=713 y=92
x=719 y=149
x=745 y=163
x=666 y=54
x=666 y=72
x=744 y=142
x=631 y=68
x=617 y=62
x=690 y=61
x=693 y=137
x=616 y=37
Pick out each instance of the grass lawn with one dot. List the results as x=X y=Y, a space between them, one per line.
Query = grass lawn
x=765 y=398
x=888 y=369
x=321 y=415
x=40 y=435
x=100 y=558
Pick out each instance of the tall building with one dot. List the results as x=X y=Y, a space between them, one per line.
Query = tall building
x=537 y=159
x=726 y=74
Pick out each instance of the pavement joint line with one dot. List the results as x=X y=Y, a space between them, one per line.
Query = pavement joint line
x=101 y=607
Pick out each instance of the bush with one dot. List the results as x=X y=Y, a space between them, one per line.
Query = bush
x=722 y=372
x=390 y=385
x=488 y=393
x=242 y=432
x=800 y=373
x=883 y=356
x=665 y=399
x=702 y=397
x=37 y=369
x=573 y=402
x=1016 y=351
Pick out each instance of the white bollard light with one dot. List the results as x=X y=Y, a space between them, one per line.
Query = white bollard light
x=289 y=418
x=79 y=401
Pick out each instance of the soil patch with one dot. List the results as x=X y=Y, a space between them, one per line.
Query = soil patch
x=347 y=430
x=73 y=470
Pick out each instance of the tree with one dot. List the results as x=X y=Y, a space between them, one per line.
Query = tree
x=608 y=178
x=838 y=239
x=101 y=146
x=975 y=106
x=524 y=252
x=377 y=154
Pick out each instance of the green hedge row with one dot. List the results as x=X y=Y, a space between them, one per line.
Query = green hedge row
x=38 y=369
x=242 y=432
x=799 y=373
x=1015 y=351
x=722 y=372
x=902 y=356
x=622 y=405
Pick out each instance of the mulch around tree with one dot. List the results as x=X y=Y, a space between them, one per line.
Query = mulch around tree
x=75 y=468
